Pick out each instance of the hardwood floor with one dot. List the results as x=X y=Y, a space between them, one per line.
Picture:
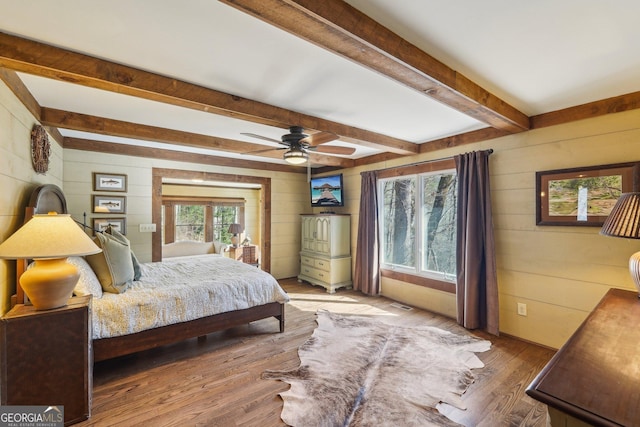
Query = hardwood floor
x=216 y=381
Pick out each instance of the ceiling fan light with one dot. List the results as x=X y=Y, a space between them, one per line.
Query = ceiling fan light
x=296 y=156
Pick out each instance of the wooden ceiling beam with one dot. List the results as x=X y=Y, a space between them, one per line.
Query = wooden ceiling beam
x=462 y=139
x=43 y=60
x=105 y=126
x=178 y=156
x=13 y=82
x=342 y=29
x=616 y=104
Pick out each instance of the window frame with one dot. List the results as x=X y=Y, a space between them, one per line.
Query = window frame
x=414 y=275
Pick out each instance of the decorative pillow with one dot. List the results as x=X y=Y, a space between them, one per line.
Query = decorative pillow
x=137 y=272
x=88 y=284
x=113 y=265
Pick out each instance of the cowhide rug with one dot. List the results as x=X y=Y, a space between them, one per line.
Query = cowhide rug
x=357 y=371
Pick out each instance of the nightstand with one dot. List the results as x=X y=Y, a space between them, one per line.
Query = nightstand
x=235 y=253
x=46 y=358
x=246 y=254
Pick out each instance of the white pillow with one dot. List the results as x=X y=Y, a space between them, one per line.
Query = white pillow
x=88 y=284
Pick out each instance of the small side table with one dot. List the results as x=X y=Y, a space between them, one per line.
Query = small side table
x=246 y=254
x=235 y=253
x=46 y=358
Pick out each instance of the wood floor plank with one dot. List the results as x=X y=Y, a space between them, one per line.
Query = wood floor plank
x=216 y=381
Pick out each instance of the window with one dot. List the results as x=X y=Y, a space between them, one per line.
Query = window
x=223 y=217
x=418 y=224
x=200 y=219
x=189 y=222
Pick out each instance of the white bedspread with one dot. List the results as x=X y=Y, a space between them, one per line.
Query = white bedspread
x=183 y=289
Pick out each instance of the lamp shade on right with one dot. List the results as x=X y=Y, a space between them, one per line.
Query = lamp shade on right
x=624 y=219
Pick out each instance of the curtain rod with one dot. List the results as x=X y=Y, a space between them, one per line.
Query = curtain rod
x=490 y=151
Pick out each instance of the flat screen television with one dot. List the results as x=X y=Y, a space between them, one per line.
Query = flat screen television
x=327 y=191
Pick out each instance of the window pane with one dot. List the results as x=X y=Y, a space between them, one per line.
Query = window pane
x=399 y=222
x=439 y=223
x=190 y=222
x=223 y=216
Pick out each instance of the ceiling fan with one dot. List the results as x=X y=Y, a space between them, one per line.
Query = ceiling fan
x=298 y=144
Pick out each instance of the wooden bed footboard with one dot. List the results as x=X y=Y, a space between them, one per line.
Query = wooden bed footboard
x=108 y=348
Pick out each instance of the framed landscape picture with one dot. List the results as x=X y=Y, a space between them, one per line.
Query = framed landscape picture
x=582 y=196
x=109 y=204
x=109 y=182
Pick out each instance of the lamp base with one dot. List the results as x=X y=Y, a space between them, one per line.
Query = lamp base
x=49 y=283
x=634 y=269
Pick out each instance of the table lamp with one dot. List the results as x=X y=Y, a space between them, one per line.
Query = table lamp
x=48 y=240
x=624 y=221
x=235 y=229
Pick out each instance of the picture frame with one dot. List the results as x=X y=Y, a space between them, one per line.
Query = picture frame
x=582 y=196
x=101 y=224
x=109 y=182
x=109 y=204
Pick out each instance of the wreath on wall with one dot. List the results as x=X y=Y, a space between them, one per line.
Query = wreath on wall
x=40 y=149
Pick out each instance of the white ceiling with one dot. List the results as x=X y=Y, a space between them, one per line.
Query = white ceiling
x=539 y=56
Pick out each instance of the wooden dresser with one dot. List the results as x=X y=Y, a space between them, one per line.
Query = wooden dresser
x=46 y=359
x=325 y=257
x=594 y=379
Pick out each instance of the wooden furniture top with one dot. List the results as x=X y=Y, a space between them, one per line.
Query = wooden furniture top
x=21 y=310
x=595 y=376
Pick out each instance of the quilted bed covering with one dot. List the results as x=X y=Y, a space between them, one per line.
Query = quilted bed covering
x=183 y=289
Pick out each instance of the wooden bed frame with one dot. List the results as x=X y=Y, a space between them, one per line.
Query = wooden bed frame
x=108 y=348
x=48 y=198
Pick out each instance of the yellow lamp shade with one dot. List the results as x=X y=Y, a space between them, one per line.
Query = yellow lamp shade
x=48 y=236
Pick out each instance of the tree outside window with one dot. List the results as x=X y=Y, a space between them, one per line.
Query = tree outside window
x=399 y=221
x=439 y=224
x=223 y=217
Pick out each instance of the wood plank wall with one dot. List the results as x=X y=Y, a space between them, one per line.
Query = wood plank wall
x=559 y=272
x=17 y=177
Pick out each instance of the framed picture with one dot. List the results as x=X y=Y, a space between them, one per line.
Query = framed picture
x=109 y=204
x=109 y=182
x=118 y=224
x=582 y=196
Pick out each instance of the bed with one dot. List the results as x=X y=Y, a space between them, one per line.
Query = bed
x=173 y=300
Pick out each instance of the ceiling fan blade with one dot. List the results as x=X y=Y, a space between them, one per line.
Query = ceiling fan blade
x=319 y=138
x=334 y=149
x=266 y=150
x=253 y=135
